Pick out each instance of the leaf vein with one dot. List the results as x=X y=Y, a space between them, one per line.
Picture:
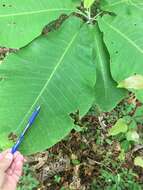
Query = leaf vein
x=51 y=76
x=34 y=12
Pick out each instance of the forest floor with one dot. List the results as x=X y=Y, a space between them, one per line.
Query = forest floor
x=88 y=159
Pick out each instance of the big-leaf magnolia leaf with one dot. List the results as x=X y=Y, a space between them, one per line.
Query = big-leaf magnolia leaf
x=107 y=95
x=22 y=21
x=124 y=42
x=55 y=71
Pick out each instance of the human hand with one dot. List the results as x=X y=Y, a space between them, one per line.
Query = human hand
x=10 y=169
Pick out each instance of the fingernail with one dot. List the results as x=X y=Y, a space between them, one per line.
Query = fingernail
x=9 y=156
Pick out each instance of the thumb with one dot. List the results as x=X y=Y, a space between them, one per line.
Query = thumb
x=6 y=159
x=5 y=162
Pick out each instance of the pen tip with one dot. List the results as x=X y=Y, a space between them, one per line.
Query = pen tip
x=38 y=108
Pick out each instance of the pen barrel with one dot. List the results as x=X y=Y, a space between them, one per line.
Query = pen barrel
x=33 y=117
x=30 y=122
x=16 y=146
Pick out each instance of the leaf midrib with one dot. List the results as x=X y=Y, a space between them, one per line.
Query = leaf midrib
x=51 y=76
x=35 y=12
x=101 y=66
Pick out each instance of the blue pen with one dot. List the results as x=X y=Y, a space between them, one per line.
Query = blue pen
x=30 y=122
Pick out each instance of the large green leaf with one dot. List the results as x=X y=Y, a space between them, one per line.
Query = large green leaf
x=51 y=72
x=107 y=95
x=22 y=21
x=123 y=38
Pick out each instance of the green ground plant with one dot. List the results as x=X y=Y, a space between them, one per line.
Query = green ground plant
x=27 y=181
x=125 y=179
